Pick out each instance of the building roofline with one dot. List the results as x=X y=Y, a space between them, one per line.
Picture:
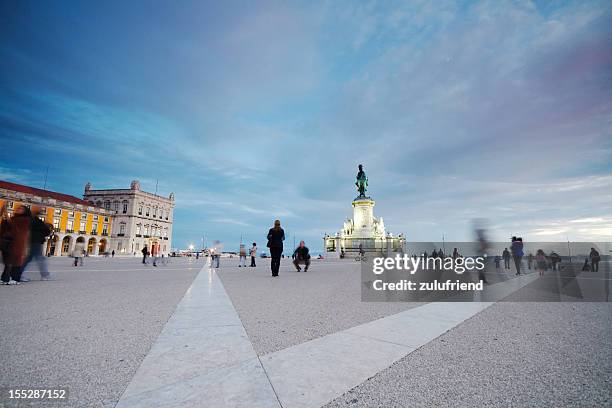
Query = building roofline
x=125 y=191
x=39 y=192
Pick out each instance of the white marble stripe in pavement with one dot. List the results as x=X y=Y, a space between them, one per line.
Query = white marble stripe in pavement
x=313 y=373
x=202 y=358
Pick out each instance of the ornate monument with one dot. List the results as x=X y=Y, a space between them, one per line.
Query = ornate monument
x=364 y=230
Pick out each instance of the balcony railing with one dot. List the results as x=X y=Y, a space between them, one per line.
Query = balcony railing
x=121 y=235
x=105 y=234
x=145 y=236
x=82 y=232
x=166 y=238
x=69 y=231
x=138 y=235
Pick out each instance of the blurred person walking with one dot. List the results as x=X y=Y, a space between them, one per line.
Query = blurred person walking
x=482 y=245
x=455 y=253
x=215 y=254
x=529 y=260
x=253 y=253
x=18 y=246
x=517 y=253
x=243 y=254
x=506 y=256
x=39 y=231
x=145 y=253
x=276 y=236
x=540 y=260
x=5 y=242
x=595 y=258
x=555 y=260
x=154 y=253
x=78 y=253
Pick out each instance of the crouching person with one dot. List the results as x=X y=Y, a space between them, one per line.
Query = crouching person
x=301 y=255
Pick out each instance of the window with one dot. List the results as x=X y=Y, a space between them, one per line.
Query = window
x=70 y=214
x=82 y=226
x=58 y=212
x=125 y=207
x=122 y=229
x=137 y=247
x=167 y=214
x=10 y=205
x=105 y=219
x=107 y=205
x=148 y=211
x=70 y=226
x=138 y=229
x=94 y=228
x=165 y=232
x=98 y=203
x=105 y=229
x=84 y=217
x=146 y=230
x=155 y=212
x=56 y=224
x=95 y=218
x=116 y=206
x=140 y=209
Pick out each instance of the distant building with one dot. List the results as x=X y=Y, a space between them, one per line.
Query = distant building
x=73 y=220
x=139 y=218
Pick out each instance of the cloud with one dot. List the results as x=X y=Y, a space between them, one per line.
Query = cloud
x=493 y=108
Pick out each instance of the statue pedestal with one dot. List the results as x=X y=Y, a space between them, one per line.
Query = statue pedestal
x=363 y=217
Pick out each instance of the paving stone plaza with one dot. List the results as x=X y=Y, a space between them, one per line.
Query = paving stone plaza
x=117 y=333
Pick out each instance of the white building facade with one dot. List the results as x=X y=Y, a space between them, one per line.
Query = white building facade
x=139 y=218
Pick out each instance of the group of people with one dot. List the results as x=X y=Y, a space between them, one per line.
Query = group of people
x=22 y=238
x=301 y=255
x=243 y=255
x=541 y=262
x=154 y=253
x=275 y=238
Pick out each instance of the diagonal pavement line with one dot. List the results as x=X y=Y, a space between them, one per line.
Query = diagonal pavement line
x=315 y=372
x=202 y=357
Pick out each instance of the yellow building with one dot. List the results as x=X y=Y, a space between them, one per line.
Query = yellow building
x=73 y=219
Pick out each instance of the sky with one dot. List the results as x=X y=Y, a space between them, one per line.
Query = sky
x=252 y=111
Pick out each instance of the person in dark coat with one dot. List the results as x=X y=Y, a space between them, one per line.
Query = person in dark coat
x=19 y=227
x=38 y=234
x=595 y=258
x=301 y=255
x=506 y=256
x=517 y=253
x=145 y=253
x=276 y=236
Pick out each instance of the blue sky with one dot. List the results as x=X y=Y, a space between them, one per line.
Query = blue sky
x=251 y=112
